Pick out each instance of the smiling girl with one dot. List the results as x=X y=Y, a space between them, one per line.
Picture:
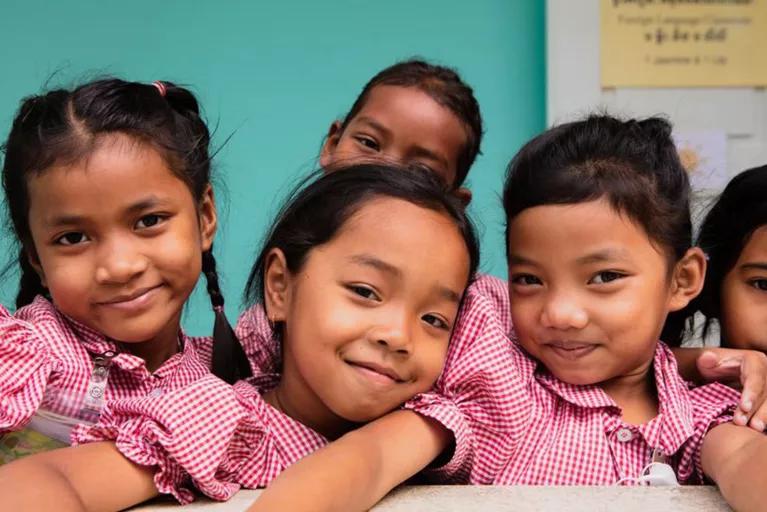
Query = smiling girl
x=108 y=190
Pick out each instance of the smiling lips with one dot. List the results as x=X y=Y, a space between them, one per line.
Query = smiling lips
x=377 y=373
x=570 y=350
x=135 y=300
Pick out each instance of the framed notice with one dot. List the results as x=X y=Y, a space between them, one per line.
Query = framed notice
x=683 y=43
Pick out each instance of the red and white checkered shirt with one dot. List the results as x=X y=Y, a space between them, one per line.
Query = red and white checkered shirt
x=219 y=438
x=47 y=362
x=537 y=430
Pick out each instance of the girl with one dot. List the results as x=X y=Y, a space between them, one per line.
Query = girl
x=734 y=237
x=599 y=254
x=108 y=190
x=364 y=327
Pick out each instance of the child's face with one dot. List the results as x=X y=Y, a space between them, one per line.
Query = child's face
x=118 y=240
x=589 y=292
x=369 y=315
x=744 y=296
x=402 y=125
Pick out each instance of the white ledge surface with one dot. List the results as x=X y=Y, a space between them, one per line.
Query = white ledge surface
x=508 y=498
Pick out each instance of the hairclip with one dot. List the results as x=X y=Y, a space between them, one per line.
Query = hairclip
x=160 y=87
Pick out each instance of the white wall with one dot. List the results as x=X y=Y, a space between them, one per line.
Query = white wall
x=572 y=36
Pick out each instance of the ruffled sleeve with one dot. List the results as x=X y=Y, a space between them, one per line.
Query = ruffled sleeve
x=468 y=398
x=25 y=366
x=258 y=341
x=184 y=435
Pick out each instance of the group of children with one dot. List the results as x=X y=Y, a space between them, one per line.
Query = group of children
x=372 y=351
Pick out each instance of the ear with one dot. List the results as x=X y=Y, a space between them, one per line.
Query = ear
x=330 y=144
x=464 y=195
x=208 y=218
x=34 y=262
x=276 y=286
x=687 y=278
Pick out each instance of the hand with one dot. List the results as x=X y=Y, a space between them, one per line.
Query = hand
x=745 y=369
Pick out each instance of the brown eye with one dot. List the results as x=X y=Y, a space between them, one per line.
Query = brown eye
x=148 y=221
x=364 y=291
x=606 y=277
x=368 y=143
x=72 y=238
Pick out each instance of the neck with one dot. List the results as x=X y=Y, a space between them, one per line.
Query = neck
x=635 y=393
x=159 y=349
x=293 y=397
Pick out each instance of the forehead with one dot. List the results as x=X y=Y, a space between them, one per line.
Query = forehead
x=116 y=173
x=396 y=230
x=756 y=246
x=565 y=233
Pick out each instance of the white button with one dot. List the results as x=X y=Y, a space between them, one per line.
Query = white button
x=156 y=392
x=624 y=435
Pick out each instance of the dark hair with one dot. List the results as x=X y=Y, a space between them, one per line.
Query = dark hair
x=63 y=126
x=737 y=213
x=314 y=213
x=633 y=164
x=444 y=86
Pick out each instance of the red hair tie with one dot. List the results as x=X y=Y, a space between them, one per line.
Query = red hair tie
x=160 y=87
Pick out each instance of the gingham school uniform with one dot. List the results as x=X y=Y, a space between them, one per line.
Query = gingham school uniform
x=50 y=367
x=547 y=432
x=219 y=438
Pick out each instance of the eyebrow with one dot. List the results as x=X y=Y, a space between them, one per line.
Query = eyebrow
x=755 y=265
x=378 y=264
x=595 y=257
x=143 y=204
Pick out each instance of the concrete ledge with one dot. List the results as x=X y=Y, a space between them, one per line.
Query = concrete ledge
x=501 y=498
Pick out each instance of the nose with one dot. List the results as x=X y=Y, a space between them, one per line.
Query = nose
x=563 y=311
x=119 y=260
x=393 y=335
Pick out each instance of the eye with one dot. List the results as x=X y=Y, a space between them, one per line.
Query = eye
x=147 y=221
x=606 y=276
x=364 y=292
x=424 y=167
x=436 y=321
x=73 y=238
x=525 y=280
x=759 y=284
x=367 y=142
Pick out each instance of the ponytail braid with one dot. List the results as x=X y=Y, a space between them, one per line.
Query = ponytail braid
x=229 y=361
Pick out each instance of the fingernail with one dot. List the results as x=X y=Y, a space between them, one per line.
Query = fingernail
x=757 y=424
x=739 y=419
x=746 y=405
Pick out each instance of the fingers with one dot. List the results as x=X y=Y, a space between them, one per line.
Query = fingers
x=720 y=366
x=752 y=409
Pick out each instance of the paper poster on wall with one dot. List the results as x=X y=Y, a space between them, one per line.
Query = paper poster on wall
x=704 y=157
x=683 y=43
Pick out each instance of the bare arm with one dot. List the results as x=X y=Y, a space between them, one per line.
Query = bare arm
x=739 y=368
x=736 y=459
x=92 y=477
x=357 y=470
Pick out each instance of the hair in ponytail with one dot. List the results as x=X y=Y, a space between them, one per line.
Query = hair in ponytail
x=229 y=362
x=64 y=126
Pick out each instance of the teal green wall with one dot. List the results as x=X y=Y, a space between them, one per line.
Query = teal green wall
x=275 y=74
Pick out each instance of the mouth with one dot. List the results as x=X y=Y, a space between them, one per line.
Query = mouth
x=132 y=300
x=570 y=350
x=377 y=373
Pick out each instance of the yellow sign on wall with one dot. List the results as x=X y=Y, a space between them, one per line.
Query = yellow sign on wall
x=683 y=43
